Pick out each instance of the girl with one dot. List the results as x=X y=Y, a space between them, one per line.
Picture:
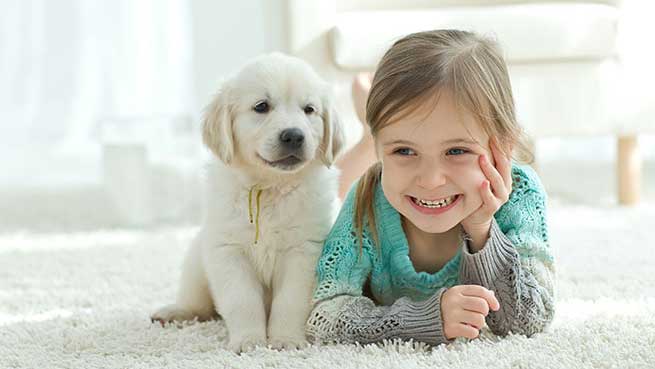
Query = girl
x=444 y=233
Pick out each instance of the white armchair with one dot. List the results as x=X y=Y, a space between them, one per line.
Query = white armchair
x=562 y=56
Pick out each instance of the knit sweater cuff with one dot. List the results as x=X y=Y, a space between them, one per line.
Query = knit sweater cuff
x=485 y=266
x=422 y=319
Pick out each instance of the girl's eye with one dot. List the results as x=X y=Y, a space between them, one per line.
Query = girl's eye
x=262 y=107
x=404 y=151
x=456 y=151
x=309 y=109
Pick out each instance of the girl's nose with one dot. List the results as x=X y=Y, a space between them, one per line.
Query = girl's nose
x=430 y=175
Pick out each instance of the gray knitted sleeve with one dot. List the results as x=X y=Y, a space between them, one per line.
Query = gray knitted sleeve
x=523 y=286
x=350 y=319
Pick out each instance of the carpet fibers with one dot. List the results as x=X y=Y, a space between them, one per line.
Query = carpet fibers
x=82 y=300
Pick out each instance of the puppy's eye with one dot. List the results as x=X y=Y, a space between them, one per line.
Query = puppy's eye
x=309 y=109
x=262 y=107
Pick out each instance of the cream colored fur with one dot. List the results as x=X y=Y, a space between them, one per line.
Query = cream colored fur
x=262 y=290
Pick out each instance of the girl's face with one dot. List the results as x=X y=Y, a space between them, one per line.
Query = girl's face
x=431 y=173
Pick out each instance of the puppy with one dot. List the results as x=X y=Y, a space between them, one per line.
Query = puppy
x=271 y=200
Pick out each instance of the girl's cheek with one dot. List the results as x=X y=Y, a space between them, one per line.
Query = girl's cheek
x=469 y=174
x=469 y=178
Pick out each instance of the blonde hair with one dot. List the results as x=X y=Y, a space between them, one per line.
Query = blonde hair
x=413 y=71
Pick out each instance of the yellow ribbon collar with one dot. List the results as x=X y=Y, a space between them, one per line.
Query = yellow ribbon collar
x=257 y=201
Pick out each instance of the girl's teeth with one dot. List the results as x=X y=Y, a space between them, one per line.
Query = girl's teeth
x=435 y=204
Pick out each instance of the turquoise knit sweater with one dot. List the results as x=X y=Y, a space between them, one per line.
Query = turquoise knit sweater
x=517 y=259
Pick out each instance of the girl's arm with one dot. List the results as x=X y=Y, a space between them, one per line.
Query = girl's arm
x=342 y=314
x=517 y=266
x=350 y=319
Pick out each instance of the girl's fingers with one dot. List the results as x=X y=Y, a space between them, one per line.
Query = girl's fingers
x=489 y=202
x=476 y=305
x=503 y=164
x=494 y=304
x=489 y=296
x=497 y=181
x=466 y=331
x=475 y=320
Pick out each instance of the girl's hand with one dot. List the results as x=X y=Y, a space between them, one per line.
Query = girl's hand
x=464 y=308
x=494 y=192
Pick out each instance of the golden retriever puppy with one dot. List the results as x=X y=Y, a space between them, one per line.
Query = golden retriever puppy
x=271 y=199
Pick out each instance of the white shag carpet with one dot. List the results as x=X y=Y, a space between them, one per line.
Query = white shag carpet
x=82 y=300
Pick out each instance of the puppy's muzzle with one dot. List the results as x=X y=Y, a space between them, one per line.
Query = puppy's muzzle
x=292 y=139
x=290 y=150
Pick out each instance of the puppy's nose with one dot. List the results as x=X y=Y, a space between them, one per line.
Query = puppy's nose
x=292 y=138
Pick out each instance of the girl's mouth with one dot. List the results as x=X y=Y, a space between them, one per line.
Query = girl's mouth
x=433 y=207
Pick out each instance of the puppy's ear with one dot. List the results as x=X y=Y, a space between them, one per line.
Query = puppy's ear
x=217 y=126
x=333 y=135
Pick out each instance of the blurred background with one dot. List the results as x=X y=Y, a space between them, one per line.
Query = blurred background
x=101 y=101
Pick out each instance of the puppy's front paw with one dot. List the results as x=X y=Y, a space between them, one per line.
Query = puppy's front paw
x=171 y=313
x=288 y=343
x=245 y=344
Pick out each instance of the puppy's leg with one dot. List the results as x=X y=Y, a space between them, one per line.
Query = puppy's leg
x=238 y=295
x=193 y=298
x=293 y=285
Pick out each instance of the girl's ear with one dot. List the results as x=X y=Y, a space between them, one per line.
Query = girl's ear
x=217 y=133
x=333 y=136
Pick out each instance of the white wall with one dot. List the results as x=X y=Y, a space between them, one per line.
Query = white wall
x=227 y=33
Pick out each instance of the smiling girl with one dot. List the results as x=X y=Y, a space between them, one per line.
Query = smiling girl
x=446 y=233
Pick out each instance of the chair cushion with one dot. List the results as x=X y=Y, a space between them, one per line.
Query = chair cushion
x=527 y=32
